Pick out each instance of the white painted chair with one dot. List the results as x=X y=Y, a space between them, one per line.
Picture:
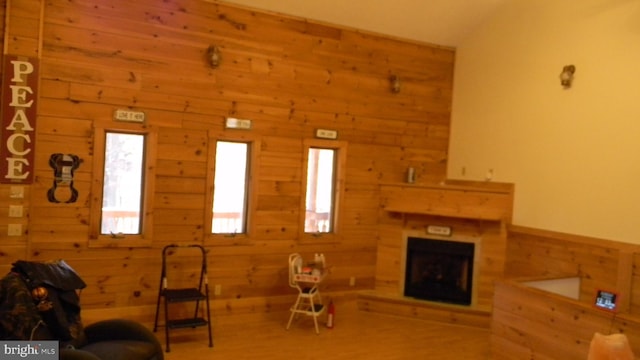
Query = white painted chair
x=309 y=301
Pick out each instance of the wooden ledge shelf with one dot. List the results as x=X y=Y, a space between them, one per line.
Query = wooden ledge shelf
x=473 y=201
x=425 y=310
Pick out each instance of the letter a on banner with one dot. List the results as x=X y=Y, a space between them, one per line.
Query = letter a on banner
x=19 y=111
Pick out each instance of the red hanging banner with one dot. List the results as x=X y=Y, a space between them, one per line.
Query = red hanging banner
x=18 y=135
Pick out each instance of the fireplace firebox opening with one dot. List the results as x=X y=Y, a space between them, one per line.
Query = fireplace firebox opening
x=439 y=270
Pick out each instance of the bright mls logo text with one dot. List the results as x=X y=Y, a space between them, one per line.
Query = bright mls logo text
x=32 y=349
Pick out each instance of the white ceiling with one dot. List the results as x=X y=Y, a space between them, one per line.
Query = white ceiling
x=440 y=22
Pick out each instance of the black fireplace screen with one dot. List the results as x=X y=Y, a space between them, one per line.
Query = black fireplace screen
x=439 y=270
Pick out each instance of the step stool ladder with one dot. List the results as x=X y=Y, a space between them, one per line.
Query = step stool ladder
x=183 y=295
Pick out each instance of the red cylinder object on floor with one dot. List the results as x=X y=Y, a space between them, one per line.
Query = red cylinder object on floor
x=331 y=313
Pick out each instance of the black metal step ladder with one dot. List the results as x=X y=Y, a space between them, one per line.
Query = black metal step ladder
x=181 y=295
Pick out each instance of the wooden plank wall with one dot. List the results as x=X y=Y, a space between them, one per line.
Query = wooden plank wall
x=535 y=324
x=289 y=76
x=600 y=263
x=634 y=293
x=529 y=323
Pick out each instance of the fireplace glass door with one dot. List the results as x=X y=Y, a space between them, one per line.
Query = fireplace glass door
x=439 y=270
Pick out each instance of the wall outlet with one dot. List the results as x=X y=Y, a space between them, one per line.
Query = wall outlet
x=352 y=281
x=15 y=211
x=14 y=230
x=16 y=192
x=217 y=290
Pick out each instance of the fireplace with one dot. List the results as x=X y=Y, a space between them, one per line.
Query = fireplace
x=439 y=270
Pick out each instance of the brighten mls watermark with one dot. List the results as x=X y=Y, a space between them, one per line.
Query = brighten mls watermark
x=40 y=350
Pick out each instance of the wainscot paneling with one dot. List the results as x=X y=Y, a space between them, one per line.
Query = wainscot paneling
x=533 y=323
x=290 y=76
x=599 y=263
x=529 y=323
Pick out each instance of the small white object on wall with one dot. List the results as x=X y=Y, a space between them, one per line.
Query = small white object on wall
x=489 y=175
x=233 y=123
x=129 y=116
x=439 y=230
x=326 y=134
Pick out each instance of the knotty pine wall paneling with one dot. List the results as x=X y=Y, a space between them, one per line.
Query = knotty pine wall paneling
x=530 y=323
x=600 y=263
x=288 y=75
x=634 y=294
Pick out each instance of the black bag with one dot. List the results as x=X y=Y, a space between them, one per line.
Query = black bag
x=60 y=306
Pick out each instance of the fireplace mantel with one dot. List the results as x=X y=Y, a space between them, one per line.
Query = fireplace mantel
x=475 y=211
x=457 y=199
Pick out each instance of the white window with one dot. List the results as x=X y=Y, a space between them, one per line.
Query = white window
x=121 y=202
x=122 y=184
x=324 y=162
x=230 y=188
x=320 y=190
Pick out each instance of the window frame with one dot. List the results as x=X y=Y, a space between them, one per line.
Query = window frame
x=144 y=239
x=338 y=190
x=226 y=239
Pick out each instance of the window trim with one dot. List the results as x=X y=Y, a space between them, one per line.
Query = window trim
x=144 y=239
x=211 y=239
x=339 y=177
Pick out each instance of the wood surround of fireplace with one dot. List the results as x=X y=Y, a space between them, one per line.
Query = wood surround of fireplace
x=475 y=211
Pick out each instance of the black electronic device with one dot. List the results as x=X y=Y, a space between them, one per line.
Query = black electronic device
x=606 y=300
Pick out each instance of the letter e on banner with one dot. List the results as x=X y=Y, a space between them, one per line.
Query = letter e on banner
x=19 y=111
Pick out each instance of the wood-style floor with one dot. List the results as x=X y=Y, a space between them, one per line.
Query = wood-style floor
x=356 y=335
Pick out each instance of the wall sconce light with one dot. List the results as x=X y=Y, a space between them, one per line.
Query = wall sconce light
x=213 y=56
x=566 y=76
x=394 y=81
